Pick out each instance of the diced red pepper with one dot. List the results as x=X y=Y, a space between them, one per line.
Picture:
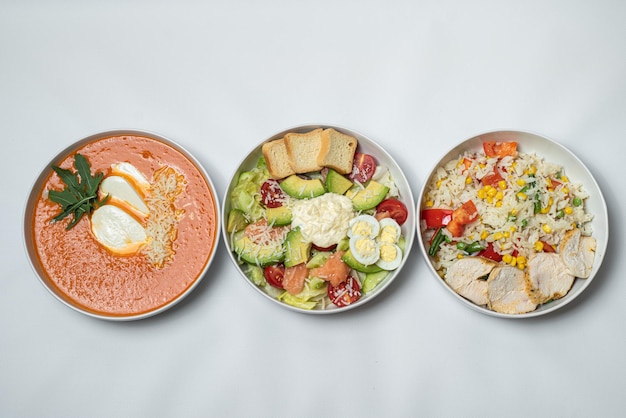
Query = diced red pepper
x=490 y=253
x=500 y=149
x=435 y=218
x=492 y=179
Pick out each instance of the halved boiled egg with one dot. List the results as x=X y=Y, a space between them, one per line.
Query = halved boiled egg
x=117 y=230
x=124 y=194
x=389 y=230
x=390 y=256
x=364 y=249
x=364 y=226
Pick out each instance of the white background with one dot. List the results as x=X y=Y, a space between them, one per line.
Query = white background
x=218 y=78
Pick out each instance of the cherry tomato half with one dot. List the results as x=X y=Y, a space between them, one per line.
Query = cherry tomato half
x=396 y=209
x=345 y=293
x=272 y=195
x=363 y=167
x=274 y=275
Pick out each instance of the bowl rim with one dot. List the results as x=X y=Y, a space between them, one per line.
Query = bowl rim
x=408 y=228
x=43 y=173
x=573 y=294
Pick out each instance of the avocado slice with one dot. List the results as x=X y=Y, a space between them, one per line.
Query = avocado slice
x=236 y=220
x=370 y=196
x=279 y=216
x=296 y=186
x=253 y=253
x=297 y=250
x=352 y=262
x=336 y=183
x=372 y=280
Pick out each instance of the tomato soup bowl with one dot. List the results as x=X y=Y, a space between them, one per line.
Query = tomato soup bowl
x=365 y=145
x=551 y=152
x=89 y=278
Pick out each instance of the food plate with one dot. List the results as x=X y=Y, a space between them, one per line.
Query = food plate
x=265 y=270
x=559 y=203
x=150 y=231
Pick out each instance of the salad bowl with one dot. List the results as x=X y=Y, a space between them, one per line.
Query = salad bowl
x=319 y=296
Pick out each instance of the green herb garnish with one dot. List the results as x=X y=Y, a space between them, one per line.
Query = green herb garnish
x=80 y=195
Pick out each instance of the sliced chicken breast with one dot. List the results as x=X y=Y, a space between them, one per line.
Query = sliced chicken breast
x=467 y=275
x=506 y=289
x=578 y=253
x=547 y=277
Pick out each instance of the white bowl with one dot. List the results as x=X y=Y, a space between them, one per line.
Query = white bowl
x=109 y=284
x=576 y=171
x=365 y=145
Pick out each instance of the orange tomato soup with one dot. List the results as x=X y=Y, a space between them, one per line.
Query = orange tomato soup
x=101 y=282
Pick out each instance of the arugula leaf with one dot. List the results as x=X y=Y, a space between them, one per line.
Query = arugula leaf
x=80 y=195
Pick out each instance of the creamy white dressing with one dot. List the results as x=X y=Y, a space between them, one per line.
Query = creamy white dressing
x=323 y=220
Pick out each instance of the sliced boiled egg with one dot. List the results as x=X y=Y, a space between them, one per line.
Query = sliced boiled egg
x=364 y=226
x=117 y=230
x=389 y=230
x=390 y=256
x=124 y=194
x=364 y=249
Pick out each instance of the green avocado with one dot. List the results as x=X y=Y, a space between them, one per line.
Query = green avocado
x=349 y=259
x=261 y=255
x=336 y=183
x=236 y=221
x=297 y=250
x=279 y=216
x=300 y=188
x=370 y=196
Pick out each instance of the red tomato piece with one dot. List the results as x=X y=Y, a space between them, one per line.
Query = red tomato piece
x=272 y=196
x=436 y=218
x=324 y=249
x=500 y=149
x=345 y=293
x=363 y=167
x=455 y=228
x=274 y=275
x=490 y=253
x=396 y=210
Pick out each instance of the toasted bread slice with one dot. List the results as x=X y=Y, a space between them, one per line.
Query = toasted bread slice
x=277 y=159
x=337 y=151
x=303 y=149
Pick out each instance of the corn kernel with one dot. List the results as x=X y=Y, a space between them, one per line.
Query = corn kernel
x=513 y=212
x=568 y=210
x=468 y=180
x=484 y=235
x=506 y=234
x=565 y=190
x=429 y=203
x=490 y=199
x=492 y=191
x=545 y=210
x=532 y=169
x=482 y=165
x=502 y=184
x=507 y=258
x=497 y=235
x=513 y=262
x=481 y=193
x=520 y=182
x=513 y=228
x=438 y=183
x=521 y=259
x=546 y=228
x=564 y=179
x=522 y=196
x=499 y=196
x=538 y=246
x=521 y=266
x=498 y=204
x=459 y=255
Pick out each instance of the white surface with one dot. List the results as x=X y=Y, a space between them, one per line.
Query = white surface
x=218 y=77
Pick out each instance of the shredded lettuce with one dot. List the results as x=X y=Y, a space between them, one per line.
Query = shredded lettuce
x=245 y=196
x=314 y=291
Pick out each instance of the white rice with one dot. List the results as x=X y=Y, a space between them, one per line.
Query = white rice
x=449 y=189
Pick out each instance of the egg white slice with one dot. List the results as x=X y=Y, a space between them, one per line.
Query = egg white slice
x=390 y=256
x=131 y=172
x=122 y=192
x=364 y=249
x=117 y=230
x=364 y=226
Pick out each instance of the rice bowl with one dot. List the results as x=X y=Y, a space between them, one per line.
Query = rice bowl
x=524 y=204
